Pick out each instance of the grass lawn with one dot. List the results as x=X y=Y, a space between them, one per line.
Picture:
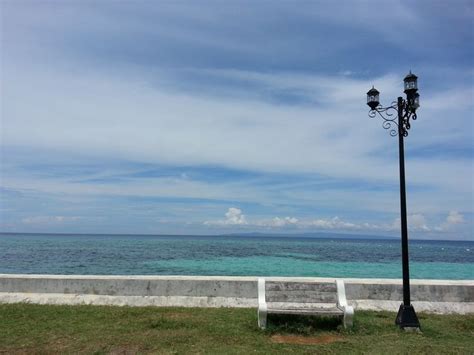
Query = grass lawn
x=26 y=328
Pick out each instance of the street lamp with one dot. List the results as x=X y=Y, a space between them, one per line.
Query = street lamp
x=399 y=125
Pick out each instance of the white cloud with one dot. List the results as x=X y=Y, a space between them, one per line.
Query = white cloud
x=233 y=216
x=278 y=222
x=416 y=222
x=49 y=219
x=454 y=217
x=332 y=223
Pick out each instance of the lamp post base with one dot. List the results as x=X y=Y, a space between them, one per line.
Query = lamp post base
x=406 y=318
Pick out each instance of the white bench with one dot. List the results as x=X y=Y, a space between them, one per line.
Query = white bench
x=303 y=298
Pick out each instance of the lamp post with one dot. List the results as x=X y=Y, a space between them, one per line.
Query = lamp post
x=398 y=125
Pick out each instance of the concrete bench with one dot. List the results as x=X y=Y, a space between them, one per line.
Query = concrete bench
x=303 y=298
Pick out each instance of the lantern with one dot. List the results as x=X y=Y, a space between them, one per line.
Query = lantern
x=373 y=98
x=411 y=84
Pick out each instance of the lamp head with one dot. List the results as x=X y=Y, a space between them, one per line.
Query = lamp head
x=411 y=84
x=373 y=98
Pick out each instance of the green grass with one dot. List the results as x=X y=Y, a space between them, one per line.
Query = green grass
x=28 y=328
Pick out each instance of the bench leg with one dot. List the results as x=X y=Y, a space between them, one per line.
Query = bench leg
x=348 y=317
x=262 y=318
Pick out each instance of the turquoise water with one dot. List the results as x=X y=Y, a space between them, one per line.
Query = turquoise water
x=198 y=255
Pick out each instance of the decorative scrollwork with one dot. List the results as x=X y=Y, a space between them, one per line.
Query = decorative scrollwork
x=389 y=125
x=390 y=119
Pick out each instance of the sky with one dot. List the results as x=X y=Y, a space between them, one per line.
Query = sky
x=211 y=117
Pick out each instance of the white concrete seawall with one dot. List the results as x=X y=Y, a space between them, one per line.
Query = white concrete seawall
x=438 y=296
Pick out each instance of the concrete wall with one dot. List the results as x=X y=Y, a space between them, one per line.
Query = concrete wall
x=441 y=296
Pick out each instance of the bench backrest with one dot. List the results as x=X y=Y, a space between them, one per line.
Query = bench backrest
x=304 y=292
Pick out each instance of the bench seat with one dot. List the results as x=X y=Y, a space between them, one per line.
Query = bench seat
x=308 y=309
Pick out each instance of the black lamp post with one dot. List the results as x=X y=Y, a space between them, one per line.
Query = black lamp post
x=399 y=125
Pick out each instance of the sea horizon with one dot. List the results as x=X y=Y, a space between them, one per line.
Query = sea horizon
x=310 y=235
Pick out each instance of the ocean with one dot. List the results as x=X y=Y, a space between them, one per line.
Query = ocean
x=231 y=255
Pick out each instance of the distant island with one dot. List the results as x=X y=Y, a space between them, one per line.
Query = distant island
x=317 y=235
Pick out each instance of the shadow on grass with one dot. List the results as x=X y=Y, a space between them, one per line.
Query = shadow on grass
x=304 y=325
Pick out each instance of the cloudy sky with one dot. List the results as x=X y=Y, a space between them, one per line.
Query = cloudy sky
x=238 y=116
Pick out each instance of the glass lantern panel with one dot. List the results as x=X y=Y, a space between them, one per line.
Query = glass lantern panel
x=416 y=102
x=372 y=98
x=410 y=84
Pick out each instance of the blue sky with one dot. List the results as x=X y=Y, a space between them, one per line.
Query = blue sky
x=220 y=117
